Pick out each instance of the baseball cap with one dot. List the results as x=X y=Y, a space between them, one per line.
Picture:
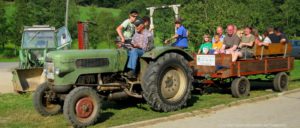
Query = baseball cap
x=138 y=22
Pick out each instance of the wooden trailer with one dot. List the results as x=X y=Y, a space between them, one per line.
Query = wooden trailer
x=269 y=60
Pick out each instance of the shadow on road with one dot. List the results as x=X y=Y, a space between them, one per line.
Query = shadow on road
x=256 y=84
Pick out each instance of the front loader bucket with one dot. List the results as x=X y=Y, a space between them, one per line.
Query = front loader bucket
x=26 y=80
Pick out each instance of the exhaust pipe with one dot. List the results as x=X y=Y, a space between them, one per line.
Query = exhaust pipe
x=117 y=96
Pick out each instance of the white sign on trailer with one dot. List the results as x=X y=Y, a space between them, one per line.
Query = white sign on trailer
x=206 y=60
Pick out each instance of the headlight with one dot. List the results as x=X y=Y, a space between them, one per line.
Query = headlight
x=49 y=67
x=49 y=70
x=56 y=71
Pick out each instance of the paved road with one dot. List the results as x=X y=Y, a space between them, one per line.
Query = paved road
x=280 y=112
x=6 y=76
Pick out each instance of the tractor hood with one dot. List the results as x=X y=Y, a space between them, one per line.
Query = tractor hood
x=69 y=64
x=72 y=55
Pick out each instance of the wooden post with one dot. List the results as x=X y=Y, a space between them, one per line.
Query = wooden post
x=262 y=52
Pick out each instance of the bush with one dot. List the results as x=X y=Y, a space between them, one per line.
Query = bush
x=9 y=53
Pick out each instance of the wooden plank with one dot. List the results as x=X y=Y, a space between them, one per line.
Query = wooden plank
x=221 y=60
x=272 y=49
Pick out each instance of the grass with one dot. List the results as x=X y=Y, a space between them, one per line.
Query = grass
x=10 y=8
x=295 y=74
x=4 y=59
x=84 y=12
x=17 y=110
x=8 y=54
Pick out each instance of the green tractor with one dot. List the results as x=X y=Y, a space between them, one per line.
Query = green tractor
x=37 y=41
x=78 y=81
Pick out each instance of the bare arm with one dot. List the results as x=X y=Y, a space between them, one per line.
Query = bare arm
x=223 y=48
x=263 y=44
x=283 y=40
x=234 y=47
x=246 y=44
x=175 y=36
x=119 y=31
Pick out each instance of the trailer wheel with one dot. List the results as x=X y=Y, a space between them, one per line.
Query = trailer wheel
x=240 y=87
x=82 y=107
x=280 y=82
x=167 y=83
x=42 y=102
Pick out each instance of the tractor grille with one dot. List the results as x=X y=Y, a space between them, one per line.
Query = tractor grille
x=95 y=62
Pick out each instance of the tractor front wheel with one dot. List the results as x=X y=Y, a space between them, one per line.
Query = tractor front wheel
x=167 y=83
x=44 y=103
x=82 y=107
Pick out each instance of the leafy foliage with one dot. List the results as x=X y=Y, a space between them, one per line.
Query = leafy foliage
x=103 y=29
x=3 y=25
x=200 y=16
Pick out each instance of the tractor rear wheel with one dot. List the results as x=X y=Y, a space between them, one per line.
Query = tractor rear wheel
x=280 y=82
x=240 y=87
x=82 y=107
x=167 y=83
x=43 y=103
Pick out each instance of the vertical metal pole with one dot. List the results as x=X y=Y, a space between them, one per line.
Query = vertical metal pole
x=86 y=35
x=262 y=52
x=151 y=10
x=66 y=20
x=176 y=11
x=80 y=28
x=285 y=49
x=67 y=14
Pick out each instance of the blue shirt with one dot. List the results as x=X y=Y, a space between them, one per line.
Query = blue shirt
x=221 y=39
x=182 y=40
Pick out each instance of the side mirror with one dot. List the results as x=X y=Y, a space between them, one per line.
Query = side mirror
x=63 y=38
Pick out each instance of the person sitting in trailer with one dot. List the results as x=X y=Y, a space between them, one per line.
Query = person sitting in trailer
x=181 y=35
x=245 y=48
x=231 y=41
x=219 y=32
x=217 y=44
x=278 y=36
x=266 y=40
x=206 y=46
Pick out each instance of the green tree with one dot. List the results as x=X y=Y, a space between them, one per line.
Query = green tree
x=202 y=17
x=56 y=13
x=94 y=32
x=102 y=29
x=40 y=10
x=22 y=17
x=73 y=18
x=291 y=17
x=3 y=25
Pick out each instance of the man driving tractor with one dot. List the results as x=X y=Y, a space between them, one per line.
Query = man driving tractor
x=141 y=41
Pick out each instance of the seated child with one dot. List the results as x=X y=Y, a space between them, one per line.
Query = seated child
x=206 y=46
x=217 y=45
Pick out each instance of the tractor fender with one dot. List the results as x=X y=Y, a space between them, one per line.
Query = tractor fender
x=159 y=51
